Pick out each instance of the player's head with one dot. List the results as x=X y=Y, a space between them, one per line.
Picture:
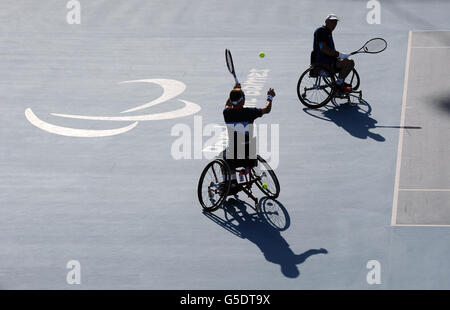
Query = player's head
x=237 y=98
x=331 y=21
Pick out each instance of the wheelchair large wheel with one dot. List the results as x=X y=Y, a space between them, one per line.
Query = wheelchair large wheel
x=214 y=185
x=315 y=87
x=268 y=181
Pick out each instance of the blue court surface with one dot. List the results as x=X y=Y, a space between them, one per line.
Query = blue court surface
x=104 y=136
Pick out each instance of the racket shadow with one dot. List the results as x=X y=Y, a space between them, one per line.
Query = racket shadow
x=241 y=219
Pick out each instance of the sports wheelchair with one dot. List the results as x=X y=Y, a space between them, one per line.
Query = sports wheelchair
x=317 y=85
x=215 y=185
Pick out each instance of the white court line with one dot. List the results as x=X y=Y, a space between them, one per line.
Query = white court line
x=400 y=138
x=425 y=189
x=430 y=47
x=421 y=225
x=437 y=30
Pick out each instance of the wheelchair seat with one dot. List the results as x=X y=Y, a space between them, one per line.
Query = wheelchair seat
x=241 y=163
x=315 y=66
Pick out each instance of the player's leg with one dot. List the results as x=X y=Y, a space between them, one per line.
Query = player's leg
x=345 y=66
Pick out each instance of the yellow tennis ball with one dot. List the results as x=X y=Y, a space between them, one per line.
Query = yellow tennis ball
x=264 y=185
x=261 y=54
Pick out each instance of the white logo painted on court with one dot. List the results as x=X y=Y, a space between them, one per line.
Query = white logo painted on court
x=374 y=275
x=374 y=15
x=74 y=275
x=74 y=15
x=172 y=88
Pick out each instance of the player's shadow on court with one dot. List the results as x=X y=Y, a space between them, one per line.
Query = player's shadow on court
x=263 y=228
x=355 y=119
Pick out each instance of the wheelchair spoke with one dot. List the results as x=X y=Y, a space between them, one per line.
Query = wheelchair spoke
x=314 y=88
x=265 y=178
x=213 y=185
x=215 y=175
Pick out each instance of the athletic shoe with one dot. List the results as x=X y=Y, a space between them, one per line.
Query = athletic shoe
x=343 y=88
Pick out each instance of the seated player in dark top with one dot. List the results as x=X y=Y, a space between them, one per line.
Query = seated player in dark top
x=241 y=150
x=326 y=54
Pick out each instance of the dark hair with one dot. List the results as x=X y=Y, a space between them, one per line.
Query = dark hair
x=236 y=94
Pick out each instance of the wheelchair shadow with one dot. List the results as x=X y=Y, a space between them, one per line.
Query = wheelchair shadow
x=263 y=228
x=355 y=119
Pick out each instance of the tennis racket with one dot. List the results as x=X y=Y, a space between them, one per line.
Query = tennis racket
x=373 y=46
x=230 y=65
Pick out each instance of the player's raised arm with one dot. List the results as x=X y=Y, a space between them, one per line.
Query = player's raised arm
x=270 y=96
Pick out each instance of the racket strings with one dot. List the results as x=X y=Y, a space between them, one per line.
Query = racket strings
x=375 y=46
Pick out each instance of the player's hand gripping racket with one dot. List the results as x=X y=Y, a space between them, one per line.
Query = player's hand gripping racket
x=230 y=65
x=373 y=46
